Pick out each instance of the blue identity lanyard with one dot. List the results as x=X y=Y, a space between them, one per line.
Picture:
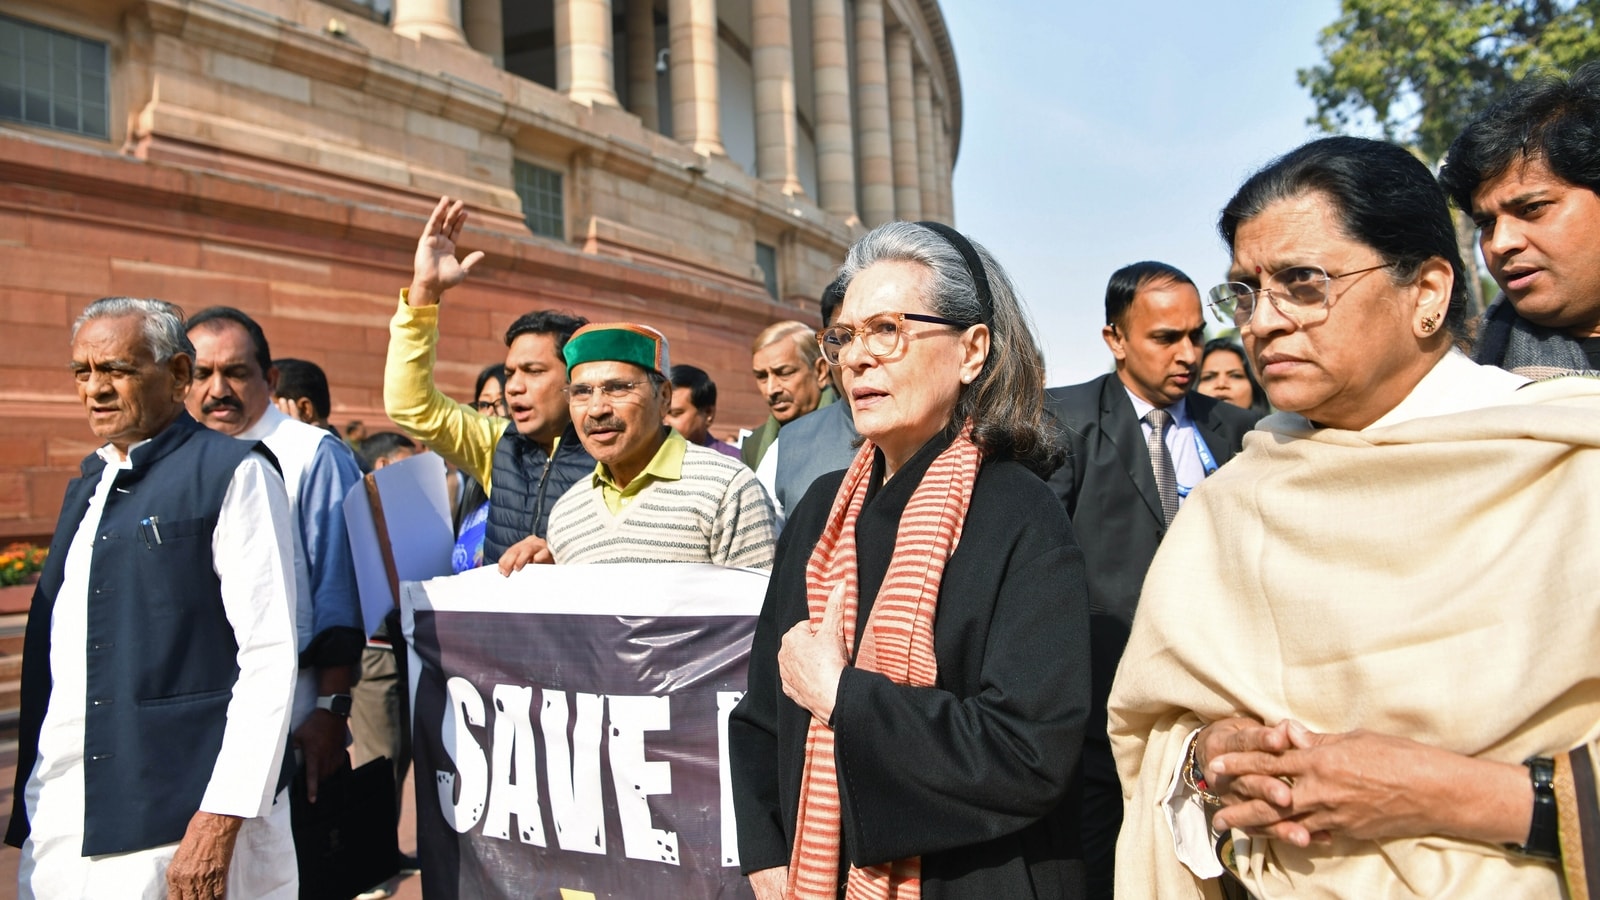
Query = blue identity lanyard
x=1207 y=462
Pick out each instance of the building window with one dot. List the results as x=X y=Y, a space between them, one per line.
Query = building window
x=380 y=11
x=53 y=79
x=767 y=259
x=542 y=205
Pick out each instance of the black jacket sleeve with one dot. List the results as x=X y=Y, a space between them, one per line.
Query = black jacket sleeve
x=923 y=770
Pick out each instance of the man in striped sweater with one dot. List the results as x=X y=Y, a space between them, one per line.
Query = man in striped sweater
x=653 y=496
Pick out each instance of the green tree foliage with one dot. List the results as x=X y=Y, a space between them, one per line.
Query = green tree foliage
x=1422 y=68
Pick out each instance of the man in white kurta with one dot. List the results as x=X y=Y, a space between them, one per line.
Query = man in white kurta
x=132 y=366
x=254 y=564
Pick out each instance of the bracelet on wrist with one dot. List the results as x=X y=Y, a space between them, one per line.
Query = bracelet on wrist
x=1194 y=778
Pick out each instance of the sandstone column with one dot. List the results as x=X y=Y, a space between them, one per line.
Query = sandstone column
x=872 y=103
x=946 y=145
x=927 y=170
x=642 y=62
x=440 y=19
x=772 y=60
x=950 y=193
x=583 y=51
x=903 y=126
x=836 y=164
x=485 y=34
x=941 y=164
x=692 y=26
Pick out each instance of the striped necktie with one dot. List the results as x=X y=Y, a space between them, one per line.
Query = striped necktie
x=1161 y=462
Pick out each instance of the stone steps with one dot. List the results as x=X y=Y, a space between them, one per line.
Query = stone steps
x=11 y=629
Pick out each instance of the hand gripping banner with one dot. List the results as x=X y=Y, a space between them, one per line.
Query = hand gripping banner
x=570 y=729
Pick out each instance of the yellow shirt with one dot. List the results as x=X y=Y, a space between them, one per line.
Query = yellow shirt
x=666 y=465
x=453 y=430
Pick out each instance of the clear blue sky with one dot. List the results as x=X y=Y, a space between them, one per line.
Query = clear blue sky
x=1099 y=134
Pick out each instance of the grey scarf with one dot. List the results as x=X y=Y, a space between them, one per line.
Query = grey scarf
x=1532 y=351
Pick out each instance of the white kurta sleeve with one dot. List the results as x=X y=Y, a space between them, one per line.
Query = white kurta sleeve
x=1192 y=838
x=253 y=554
x=767 y=474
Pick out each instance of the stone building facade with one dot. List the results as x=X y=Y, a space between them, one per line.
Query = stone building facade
x=699 y=165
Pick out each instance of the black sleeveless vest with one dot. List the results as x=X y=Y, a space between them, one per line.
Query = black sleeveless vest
x=160 y=654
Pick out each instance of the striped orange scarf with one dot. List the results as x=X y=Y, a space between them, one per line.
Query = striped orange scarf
x=897 y=642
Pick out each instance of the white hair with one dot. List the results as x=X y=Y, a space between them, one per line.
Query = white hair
x=164 y=333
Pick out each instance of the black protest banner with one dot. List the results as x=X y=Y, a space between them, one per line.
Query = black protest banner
x=570 y=729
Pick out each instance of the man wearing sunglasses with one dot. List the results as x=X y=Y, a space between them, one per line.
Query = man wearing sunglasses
x=1138 y=440
x=653 y=496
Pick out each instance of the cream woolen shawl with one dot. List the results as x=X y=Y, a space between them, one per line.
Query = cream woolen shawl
x=1436 y=579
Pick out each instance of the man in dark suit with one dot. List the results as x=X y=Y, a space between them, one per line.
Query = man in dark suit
x=1138 y=440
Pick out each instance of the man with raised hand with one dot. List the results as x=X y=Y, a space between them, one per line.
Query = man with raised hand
x=524 y=464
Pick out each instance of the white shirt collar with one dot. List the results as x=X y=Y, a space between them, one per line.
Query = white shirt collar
x=113 y=458
x=266 y=425
x=1179 y=411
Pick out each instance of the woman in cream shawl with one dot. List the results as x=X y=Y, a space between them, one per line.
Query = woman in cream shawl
x=1358 y=630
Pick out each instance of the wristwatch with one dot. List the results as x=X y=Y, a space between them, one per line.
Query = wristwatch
x=338 y=704
x=1543 y=832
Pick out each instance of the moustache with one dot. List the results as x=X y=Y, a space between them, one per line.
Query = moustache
x=609 y=423
x=220 y=403
x=779 y=397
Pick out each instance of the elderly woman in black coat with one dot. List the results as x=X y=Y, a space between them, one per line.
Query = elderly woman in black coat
x=919 y=681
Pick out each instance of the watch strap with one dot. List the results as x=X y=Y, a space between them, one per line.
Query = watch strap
x=338 y=704
x=1544 y=841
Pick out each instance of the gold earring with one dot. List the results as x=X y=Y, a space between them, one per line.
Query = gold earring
x=1429 y=323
